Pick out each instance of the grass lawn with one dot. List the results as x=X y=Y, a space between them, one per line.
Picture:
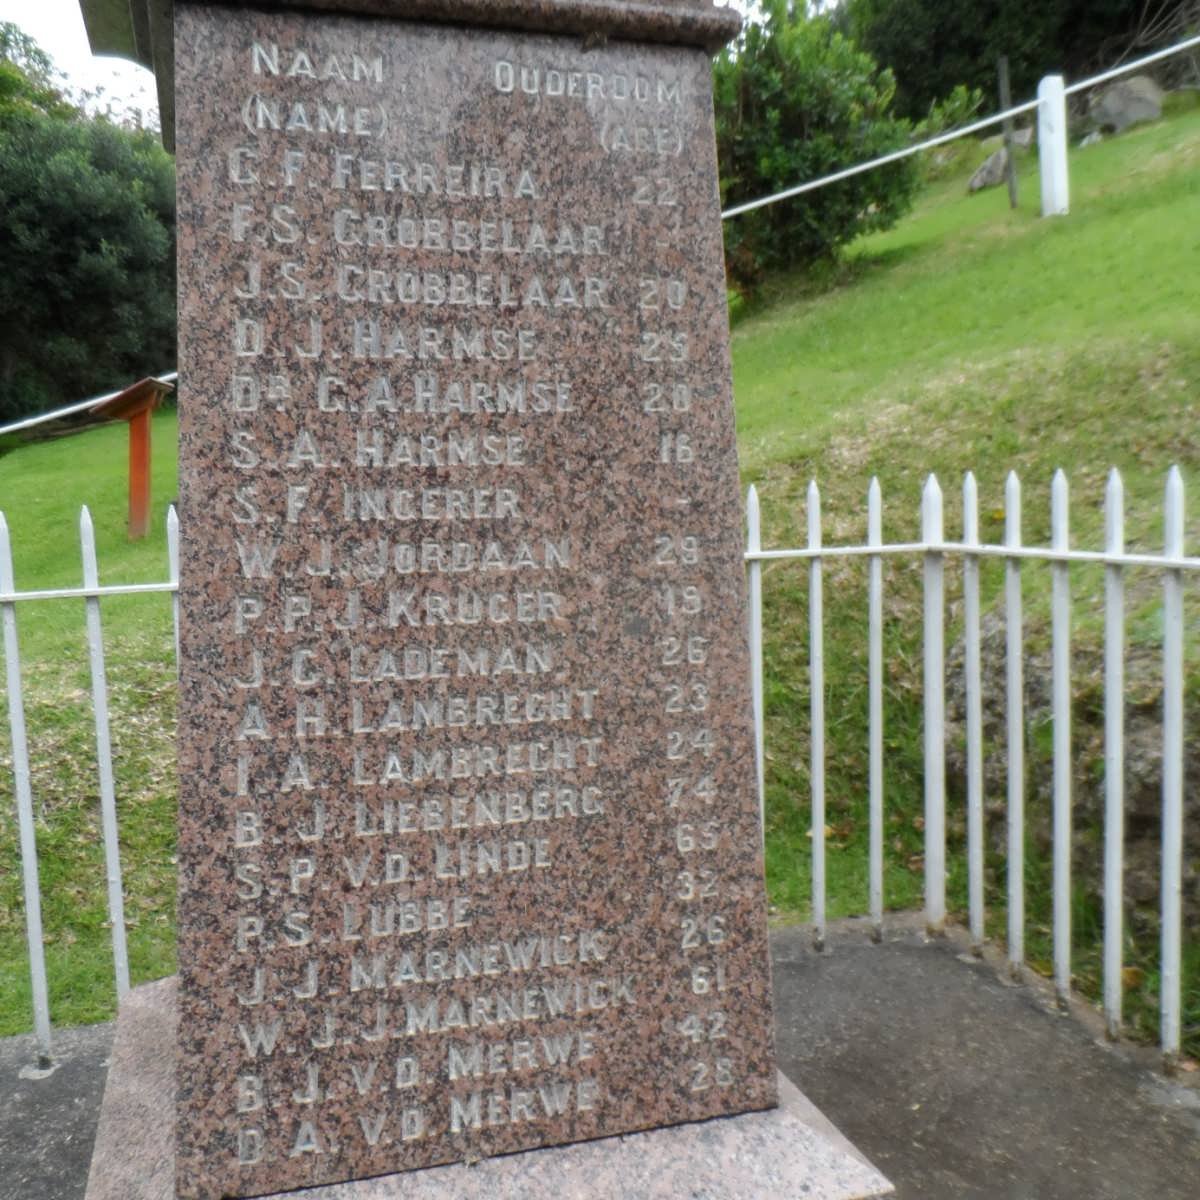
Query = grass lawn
x=969 y=337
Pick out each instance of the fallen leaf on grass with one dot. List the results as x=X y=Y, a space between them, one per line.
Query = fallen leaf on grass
x=1132 y=977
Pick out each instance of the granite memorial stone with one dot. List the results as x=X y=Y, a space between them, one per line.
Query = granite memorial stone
x=469 y=845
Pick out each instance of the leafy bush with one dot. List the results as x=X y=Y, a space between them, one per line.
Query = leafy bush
x=87 y=249
x=959 y=108
x=796 y=100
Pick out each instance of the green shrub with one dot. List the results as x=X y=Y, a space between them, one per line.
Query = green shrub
x=796 y=100
x=87 y=244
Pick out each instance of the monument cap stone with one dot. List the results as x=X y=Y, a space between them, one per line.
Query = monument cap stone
x=142 y=30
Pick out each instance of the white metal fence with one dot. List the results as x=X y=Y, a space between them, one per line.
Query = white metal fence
x=933 y=550
x=91 y=593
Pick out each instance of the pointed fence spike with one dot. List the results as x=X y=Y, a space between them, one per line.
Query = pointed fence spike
x=1173 y=514
x=87 y=545
x=753 y=520
x=874 y=512
x=1012 y=509
x=931 y=510
x=1060 y=495
x=970 y=508
x=1114 y=503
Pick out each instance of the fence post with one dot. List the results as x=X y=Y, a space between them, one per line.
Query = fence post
x=1114 y=752
x=173 y=574
x=104 y=762
x=1010 y=142
x=754 y=545
x=1172 y=777
x=816 y=634
x=875 y=703
x=1052 y=146
x=933 y=534
x=972 y=655
x=24 y=794
x=1060 y=637
x=1015 y=723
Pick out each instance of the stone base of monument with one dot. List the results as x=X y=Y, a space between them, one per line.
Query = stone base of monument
x=791 y=1151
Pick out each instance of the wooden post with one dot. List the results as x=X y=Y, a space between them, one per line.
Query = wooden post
x=136 y=405
x=1009 y=140
x=139 y=473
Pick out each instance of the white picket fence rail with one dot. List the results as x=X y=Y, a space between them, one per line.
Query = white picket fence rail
x=933 y=549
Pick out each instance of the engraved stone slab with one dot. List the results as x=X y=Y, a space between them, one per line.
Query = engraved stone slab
x=469 y=850
x=791 y=1150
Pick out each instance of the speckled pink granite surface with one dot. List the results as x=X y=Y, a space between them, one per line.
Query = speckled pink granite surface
x=791 y=1151
x=469 y=850
x=682 y=22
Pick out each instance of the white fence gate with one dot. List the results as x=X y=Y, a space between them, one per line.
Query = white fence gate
x=933 y=550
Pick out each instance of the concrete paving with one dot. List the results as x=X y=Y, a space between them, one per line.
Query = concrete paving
x=955 y=1083
x=48 y=1118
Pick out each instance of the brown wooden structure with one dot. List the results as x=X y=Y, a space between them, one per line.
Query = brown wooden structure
x=136 y=404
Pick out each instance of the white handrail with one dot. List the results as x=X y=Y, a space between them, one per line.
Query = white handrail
x=952 y=135
x=895 y=156
x=78 y=407
x=1136 y=65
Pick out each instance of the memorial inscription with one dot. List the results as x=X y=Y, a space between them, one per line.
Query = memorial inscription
x=470 y=858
